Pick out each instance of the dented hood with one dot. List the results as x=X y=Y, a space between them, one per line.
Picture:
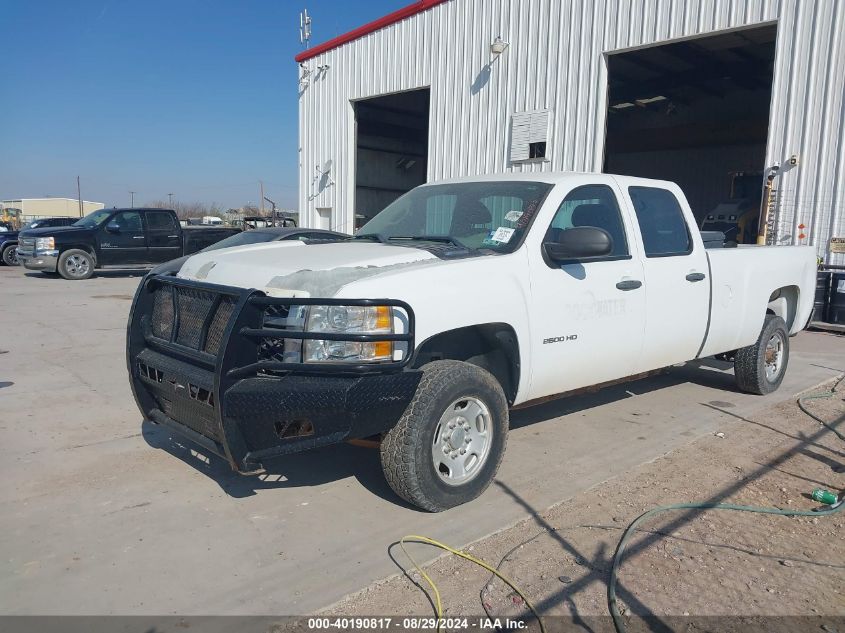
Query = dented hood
x=298 y=269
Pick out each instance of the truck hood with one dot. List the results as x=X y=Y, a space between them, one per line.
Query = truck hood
x=47 y=231
x=287 y=269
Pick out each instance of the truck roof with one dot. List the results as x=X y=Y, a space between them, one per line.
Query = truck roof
x=556 y=177
x=141 y=209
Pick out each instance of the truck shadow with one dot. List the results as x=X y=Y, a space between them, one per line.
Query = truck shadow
x=707 y=372
x=341 y=461
x=311 y=468
x=108 y=273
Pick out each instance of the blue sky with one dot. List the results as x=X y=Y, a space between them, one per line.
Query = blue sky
x=197 y=98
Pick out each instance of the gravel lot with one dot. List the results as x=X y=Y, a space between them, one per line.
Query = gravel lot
x=682 y=563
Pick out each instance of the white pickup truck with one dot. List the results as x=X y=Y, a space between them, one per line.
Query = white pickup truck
x=460 y=300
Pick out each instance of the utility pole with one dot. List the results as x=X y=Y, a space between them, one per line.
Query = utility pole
x=132 y=199
x=170 y=200
x=79 y=195
x=261 y=185
x=272 y=210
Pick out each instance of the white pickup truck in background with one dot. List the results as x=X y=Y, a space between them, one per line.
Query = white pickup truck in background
x=460 y=300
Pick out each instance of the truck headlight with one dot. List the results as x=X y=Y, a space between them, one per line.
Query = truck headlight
x=45 y=244
x=348 y=320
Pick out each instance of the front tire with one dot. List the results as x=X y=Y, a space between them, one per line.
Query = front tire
x=448 y=444
x=76 y=264
x=760 y=368
x=10 y=255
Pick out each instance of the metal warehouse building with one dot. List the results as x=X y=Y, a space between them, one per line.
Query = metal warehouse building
x=713 y=94
x=32 y=208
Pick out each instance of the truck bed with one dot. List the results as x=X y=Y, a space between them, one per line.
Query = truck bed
x=736 y=291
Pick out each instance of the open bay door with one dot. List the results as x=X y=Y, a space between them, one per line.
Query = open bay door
x=696 y=112
x=391 y=149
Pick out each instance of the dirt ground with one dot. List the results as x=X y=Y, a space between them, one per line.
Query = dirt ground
x=681 y=563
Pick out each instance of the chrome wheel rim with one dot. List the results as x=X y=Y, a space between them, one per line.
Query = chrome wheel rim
x=77 y=266
x=774 y=356
x=462 y=441
x=12 y=256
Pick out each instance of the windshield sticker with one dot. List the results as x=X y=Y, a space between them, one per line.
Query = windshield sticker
x=503 y=234
x=488 y=241
x=513 y=216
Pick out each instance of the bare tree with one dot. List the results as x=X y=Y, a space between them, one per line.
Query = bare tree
x=185 y=210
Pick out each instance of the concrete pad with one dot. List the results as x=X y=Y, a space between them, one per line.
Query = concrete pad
x=103 y=514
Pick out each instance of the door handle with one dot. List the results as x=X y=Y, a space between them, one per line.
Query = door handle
x=172 y=236
x=696 y=277
x=629 y=284
x=137 y=237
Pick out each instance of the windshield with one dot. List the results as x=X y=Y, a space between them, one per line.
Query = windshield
x=475 y=215
x=93 y=219
x=242 y=239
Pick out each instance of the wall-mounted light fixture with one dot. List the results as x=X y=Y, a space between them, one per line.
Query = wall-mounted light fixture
x=498 y=46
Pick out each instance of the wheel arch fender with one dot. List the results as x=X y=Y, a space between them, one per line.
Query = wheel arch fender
x=79 y=247
x=784 y=302
x=491 y=346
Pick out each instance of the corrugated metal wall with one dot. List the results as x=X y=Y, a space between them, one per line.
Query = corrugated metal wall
x=556 y=61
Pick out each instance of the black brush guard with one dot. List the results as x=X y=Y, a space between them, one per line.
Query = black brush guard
x=202 y=376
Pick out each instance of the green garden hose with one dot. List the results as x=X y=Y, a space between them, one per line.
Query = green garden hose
x=618 y=623
x=823 y=395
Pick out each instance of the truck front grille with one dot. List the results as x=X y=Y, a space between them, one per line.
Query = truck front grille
x=26 y=246
x=202 y=317
x=194 y=306
x=282 y=350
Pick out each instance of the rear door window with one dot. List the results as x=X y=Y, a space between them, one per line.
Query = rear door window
x=662 y=224
x=160 y=221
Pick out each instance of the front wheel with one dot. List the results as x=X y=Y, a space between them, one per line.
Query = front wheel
x=760 y=368
x=76 y=264
x=10 y=255
x=449 y=442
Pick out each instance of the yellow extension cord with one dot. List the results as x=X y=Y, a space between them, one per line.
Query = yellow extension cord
x=438 y=605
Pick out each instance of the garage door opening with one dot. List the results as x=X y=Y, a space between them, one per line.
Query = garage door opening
x=391 y=149
x=697 y=113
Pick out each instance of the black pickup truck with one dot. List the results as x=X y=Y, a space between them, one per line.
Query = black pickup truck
x=113 y=237
x=9 y=238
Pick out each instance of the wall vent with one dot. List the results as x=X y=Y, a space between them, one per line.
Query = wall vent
x=529 y=133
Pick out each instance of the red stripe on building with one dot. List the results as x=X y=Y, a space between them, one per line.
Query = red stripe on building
x=375 y=25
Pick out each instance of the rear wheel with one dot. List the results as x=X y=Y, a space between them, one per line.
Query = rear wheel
x=447 y=447
x=760 y=368
x=10 y=255
x=76 y=264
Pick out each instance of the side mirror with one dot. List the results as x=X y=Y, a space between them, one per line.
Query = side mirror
x=581 y=242
x=113 y=227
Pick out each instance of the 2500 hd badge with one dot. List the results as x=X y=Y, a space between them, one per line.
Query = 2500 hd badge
x=560 y=339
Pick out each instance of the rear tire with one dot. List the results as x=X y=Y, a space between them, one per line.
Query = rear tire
x=448 y=444
x=10 y=255
x=76 y=264
x=760 y=368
